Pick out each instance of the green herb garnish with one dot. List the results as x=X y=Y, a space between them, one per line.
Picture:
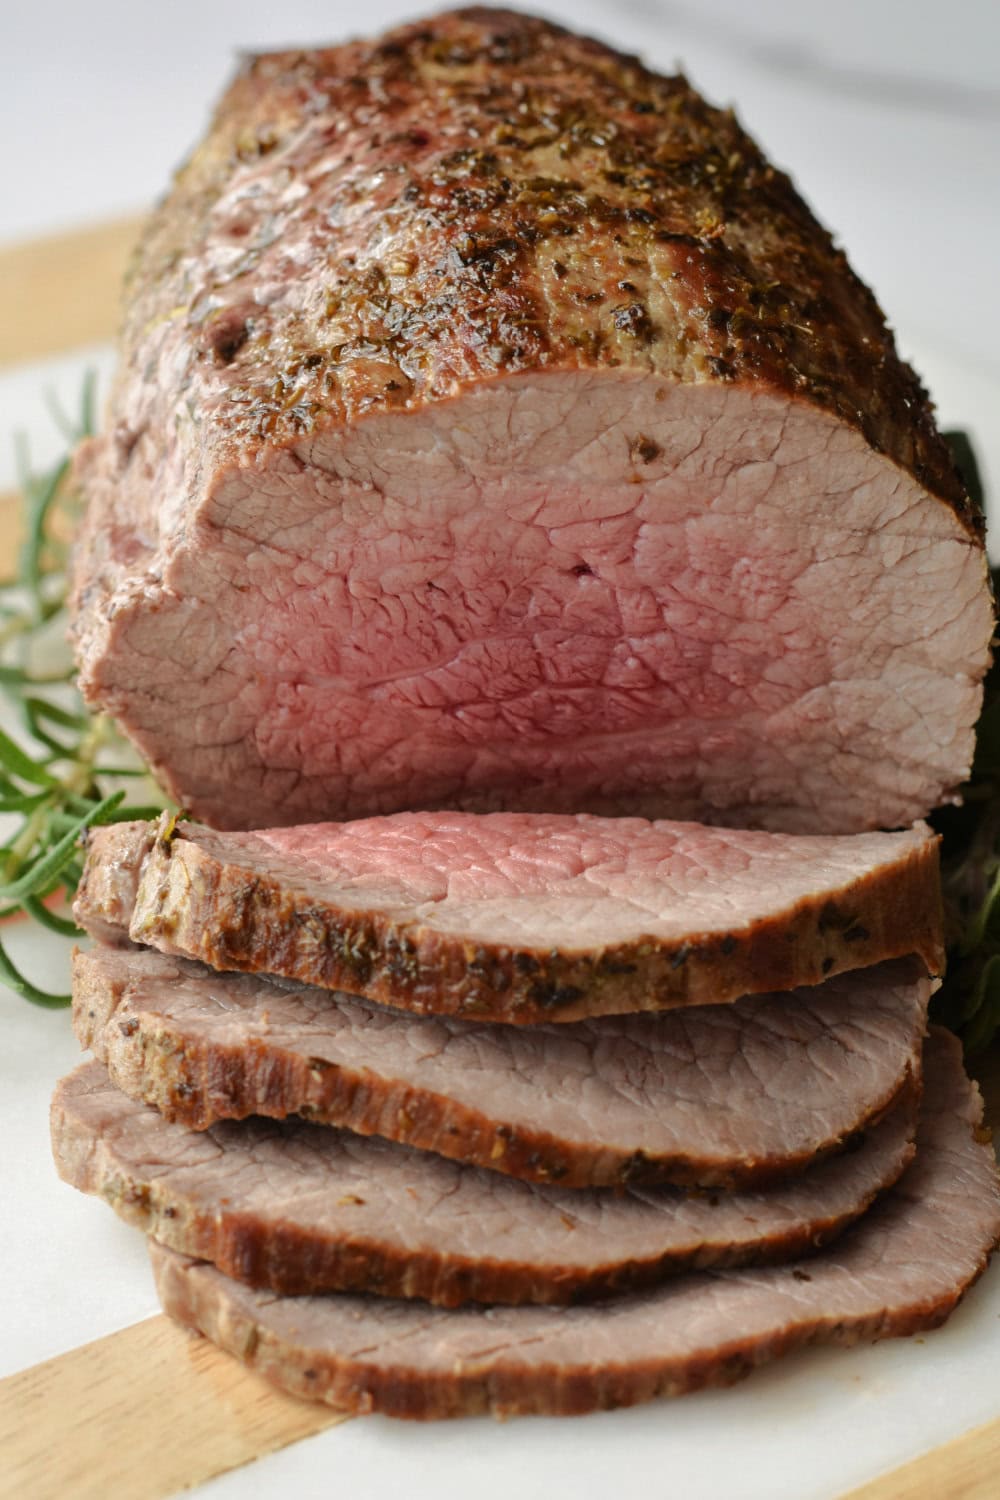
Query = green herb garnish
x=62 y=768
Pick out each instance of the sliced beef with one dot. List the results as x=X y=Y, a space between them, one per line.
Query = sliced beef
x=520 y=917
x=714 y=1095
x=899 y=1270
x=495 y=428
x=304 y=1208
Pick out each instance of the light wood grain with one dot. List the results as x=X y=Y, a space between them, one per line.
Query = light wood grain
x=59 y=293
x=140 y=1415
x=966 y=1469
x=11 y=531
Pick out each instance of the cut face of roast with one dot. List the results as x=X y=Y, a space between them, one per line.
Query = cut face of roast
x=558 y=468
x=519 y=917
x=712 y=1095
x=900 y=1269
x=304 y=1208
x=494 y=605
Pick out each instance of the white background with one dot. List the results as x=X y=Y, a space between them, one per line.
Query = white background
x=887 y=113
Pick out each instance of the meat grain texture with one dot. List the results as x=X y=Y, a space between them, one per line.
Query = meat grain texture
x=519 y=917
x=710 y=1096
x=496 y=429
x=302 y=1208
x=901 y=1269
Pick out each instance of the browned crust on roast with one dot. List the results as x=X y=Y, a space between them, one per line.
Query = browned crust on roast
x=106 y=891
x=197 y=1083
x=361 y=1386
x=233 y=918
x=291 y=1260
x=497 y=165
x=353 y=1386
x=526 y=1364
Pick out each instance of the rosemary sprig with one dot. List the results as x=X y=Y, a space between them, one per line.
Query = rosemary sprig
x=62 y=768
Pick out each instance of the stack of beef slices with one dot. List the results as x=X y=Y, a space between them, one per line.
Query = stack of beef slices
x=446 y=1113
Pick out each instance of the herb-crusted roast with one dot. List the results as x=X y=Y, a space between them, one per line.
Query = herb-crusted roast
x=900 y=1269
x=712 y=1095
x=519 y=917
x=302 y=1208
x=497 y=429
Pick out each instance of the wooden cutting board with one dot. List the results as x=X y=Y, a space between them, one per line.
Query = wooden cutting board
x=79 y=1427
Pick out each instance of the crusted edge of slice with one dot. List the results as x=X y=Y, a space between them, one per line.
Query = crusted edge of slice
x=225 y=913
x=388 y=1376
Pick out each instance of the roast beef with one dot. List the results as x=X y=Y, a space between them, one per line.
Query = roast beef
x=898 y=1270
x=304 y=1208
x=495 y=428
x=712 y=1095
x=519 y=917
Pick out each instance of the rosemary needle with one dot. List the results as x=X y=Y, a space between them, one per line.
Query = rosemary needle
x=61 y=767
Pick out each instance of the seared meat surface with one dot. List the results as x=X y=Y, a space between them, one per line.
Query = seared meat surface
x=519 y=917
x=712 y=1095
x=900 y=1269
x=497 y=429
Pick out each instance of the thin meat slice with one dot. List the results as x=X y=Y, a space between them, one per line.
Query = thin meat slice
x=305 y=1208
x=496 y=428
x=899 y=1270
x=712 y=1095
x=520 y=917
